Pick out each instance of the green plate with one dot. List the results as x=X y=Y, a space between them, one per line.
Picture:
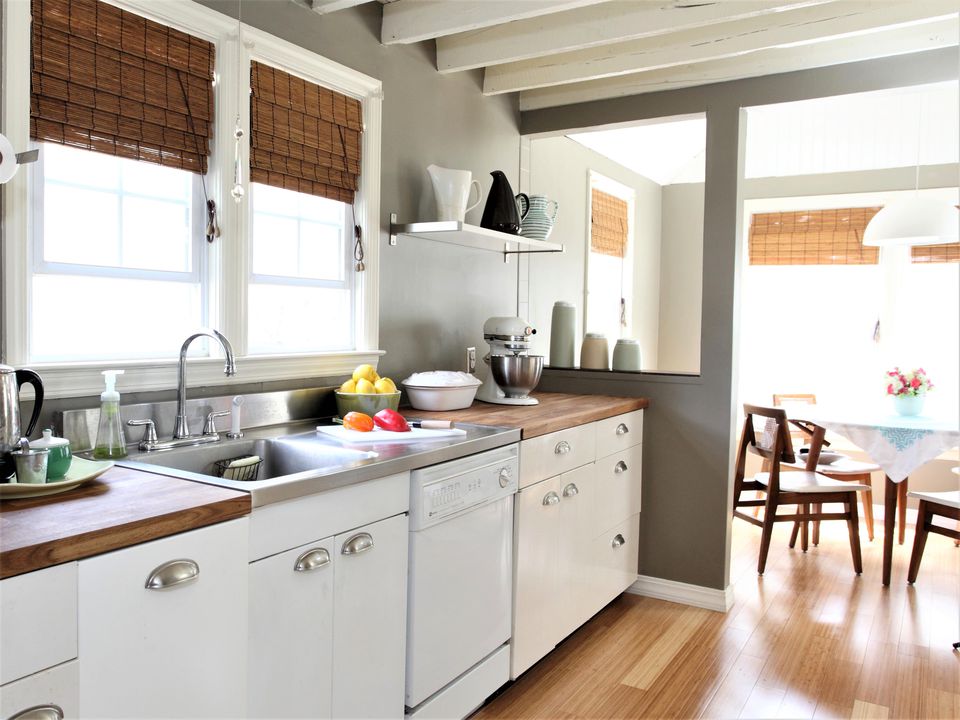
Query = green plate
x=80 y=471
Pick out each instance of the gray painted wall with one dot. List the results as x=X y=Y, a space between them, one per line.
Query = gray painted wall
x=434 y=298
x=559 y=169
x=689 y=434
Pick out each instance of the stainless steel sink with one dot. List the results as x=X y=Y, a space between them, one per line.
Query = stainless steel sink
x=281 y=456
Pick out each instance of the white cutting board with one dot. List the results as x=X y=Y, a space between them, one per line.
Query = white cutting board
x=385 y=436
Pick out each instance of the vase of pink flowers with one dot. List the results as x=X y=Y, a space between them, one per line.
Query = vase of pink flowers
x=908 y=390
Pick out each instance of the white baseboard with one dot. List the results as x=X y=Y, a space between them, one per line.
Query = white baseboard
x=683 y=593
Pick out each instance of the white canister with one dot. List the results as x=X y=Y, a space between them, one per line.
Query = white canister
x=595 y=353
x=563 y=335
x=626 y=355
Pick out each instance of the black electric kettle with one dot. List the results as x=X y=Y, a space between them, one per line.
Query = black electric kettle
x=11 y=429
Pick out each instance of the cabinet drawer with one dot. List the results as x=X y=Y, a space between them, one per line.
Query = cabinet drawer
x=555 y=453
x=619 y=432
x=57 y=687
x=618 y=487
x=277 y=528
x=160 y=637
x=616 y=554
x=38 y=621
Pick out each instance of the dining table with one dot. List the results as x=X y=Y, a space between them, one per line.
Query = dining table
x=899 y=444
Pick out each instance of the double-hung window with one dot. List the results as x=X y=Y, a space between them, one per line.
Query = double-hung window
x=111 y=254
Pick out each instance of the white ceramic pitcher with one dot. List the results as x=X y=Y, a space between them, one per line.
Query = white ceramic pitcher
x=452 y=191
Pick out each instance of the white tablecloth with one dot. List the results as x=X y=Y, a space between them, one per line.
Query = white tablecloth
x=897 y=443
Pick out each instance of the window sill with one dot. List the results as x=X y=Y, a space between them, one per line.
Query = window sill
x=65 y=380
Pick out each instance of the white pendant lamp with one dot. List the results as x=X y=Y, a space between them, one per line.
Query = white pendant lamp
x=916 y=220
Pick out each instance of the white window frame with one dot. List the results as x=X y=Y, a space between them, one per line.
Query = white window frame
x=227 y=272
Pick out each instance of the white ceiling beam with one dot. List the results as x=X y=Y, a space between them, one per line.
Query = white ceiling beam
x=410 y=21
x=593 y=27
x=897 y=41
x=805 y=25
x=323 y=7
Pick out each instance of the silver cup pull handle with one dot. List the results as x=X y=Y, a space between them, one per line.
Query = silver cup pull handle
x=173 y=574
x=311 y=560
x=39 y=712
x=622 y=429
x=571 y=490
x=618 y=541
x=551 y=498
x=361 y=542
x=562 y=448
x=620 y=467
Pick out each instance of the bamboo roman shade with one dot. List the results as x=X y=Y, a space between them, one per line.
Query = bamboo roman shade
x=108 y=80
x=812 y=237
x=304 y=137
x=608 y=224
x=949 y=253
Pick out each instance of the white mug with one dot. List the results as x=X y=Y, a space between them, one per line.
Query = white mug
x=452 y=191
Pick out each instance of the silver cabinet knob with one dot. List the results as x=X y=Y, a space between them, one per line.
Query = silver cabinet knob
x=562 y=448
x=504 y=477
x=622 y=429
x=39 y=712
x=551 y=498
x=311 y=560
x=571 y=490
x=361 y=542
x=620 y=467
x=618 y=541
x=173 y=574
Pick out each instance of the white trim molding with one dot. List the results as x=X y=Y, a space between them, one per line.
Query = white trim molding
x=683 y=593
x=227 y=273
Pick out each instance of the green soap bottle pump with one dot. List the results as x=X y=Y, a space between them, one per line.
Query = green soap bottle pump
x=111 y=444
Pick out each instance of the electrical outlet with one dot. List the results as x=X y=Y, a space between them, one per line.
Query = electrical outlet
x=471 y=359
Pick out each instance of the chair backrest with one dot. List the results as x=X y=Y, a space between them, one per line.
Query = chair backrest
x=786 y=399
x=770 y=441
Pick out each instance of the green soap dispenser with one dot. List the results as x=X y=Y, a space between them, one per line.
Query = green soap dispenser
x=111 y=444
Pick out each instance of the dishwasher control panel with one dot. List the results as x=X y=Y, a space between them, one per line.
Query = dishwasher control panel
x=441 y=491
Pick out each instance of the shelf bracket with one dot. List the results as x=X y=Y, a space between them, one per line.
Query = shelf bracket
x=393 y=235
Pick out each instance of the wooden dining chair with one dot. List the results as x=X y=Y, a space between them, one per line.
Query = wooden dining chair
x=944 y=504
x=800 y=488
x=844 y=468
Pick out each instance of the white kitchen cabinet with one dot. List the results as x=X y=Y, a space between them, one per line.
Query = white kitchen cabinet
x=576 y=532
x=369 y=620
x=291 y=633
x=536 y=573
x=575 y=557
x=38 y=621
x=51 y=694
x=163 y=627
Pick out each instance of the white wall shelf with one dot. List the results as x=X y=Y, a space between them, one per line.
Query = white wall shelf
x=471 y=236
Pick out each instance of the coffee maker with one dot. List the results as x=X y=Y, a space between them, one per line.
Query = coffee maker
x=513 y=373
x=11 y=429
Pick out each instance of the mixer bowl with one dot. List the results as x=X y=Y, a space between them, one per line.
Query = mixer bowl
x=516 y=375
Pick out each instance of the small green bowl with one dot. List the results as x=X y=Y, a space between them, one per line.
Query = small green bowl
x=367 y=403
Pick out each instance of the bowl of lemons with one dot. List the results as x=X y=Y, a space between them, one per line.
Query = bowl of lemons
x=367 y=392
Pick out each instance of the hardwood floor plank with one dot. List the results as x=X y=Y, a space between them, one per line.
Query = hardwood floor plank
x=653 y=662
x=868 y=711
x=807 y=639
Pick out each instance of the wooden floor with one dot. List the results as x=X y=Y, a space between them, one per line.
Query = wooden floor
x=807 y=640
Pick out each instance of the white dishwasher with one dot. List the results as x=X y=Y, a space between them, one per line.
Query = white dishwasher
x=460 y=577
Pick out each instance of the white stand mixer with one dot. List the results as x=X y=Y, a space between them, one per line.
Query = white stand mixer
x=513 y=373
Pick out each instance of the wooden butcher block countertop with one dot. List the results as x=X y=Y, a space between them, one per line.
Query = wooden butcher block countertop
x=556 y=411
x=122 y=507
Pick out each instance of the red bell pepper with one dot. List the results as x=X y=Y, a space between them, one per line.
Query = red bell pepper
x=391 y=420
